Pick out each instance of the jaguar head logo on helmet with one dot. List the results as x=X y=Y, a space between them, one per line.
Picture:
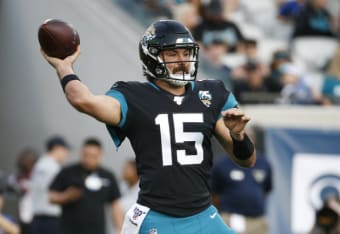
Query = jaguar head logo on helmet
x=165 y=39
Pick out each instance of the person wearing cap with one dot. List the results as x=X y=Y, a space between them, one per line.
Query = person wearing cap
x=46 y=214
x=7 y=224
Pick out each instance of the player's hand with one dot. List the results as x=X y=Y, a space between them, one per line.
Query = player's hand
x=235 y=120
x=73 y=193
x=63 y=67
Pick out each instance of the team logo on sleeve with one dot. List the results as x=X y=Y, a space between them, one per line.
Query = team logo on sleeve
x=205 y=97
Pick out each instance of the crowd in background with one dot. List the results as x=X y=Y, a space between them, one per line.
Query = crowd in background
x=283 y=51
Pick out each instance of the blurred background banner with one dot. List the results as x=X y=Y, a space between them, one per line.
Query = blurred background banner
x=306 y=165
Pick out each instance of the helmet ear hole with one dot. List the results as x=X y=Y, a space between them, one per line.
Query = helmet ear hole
x=159 y=70
x=154 y=51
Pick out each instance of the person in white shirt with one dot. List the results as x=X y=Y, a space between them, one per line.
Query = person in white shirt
x=46 y=214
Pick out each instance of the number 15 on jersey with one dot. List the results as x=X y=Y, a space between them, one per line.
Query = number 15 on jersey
x=180 y=137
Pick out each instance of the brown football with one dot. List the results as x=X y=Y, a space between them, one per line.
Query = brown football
x=58 y=38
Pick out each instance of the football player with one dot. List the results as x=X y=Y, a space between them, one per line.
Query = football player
x=169 y=121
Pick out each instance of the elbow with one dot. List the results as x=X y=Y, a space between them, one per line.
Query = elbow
x=81 y=104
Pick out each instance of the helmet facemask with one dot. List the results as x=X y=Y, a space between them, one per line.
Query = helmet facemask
x=177 y=76
x=179 y=72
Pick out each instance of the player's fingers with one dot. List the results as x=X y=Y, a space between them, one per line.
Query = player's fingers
x=44 y=54
x=232 y=113
x=75 y=55
x=51 y=60
x=245 y=119
x=229 y=111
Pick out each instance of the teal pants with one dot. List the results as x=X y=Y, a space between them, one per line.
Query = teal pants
x=206 y=222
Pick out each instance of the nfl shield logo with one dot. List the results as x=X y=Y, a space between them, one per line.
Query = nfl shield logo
x=205 y=97
x=153 y=231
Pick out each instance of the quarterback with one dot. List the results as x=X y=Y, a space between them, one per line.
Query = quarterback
x=169 y=120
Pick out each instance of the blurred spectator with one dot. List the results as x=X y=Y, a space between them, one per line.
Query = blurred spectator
x=211 y=61
x=83 y=189
x=7 y=223
x=157 y=8
x=279 y=58
x=289 y=10
x=253 y=88
x=19 y=183
x=215 y=27
x=46 y=215
x=248 y=47
x=215 y=50
x=314 y=20
x=296 y=88
x=130 y=192
x=240 y=194
x=331 y=83
x=231 y=9
x=188 y=15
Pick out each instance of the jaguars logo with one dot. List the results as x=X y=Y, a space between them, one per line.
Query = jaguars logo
x=149 y=35
x=205 y=97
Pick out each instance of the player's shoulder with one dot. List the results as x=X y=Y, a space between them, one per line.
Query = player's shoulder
x=128 y=85
x=213 y=85
x=210 y=83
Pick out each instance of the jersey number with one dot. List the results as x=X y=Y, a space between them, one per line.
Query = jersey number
x=180 y=137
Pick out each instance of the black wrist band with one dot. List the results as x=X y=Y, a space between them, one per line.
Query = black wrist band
x=243 y=149
x=67 y=79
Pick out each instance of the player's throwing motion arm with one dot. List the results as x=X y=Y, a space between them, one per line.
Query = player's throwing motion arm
x=230 y=133
x=104 y=108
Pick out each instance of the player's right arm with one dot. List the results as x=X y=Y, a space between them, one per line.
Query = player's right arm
x=104 y=108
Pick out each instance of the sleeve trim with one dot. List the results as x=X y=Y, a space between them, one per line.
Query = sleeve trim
x=230 y=103
x=123 y=105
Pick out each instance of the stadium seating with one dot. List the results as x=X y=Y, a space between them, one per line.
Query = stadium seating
x=313 y=52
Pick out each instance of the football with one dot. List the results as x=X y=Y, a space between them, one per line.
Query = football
x=58 y=38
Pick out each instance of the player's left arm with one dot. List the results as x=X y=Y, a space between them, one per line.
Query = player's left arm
x=230 y=132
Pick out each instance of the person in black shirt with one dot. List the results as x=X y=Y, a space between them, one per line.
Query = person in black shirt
x=82 y=190
x=215 y=26
x=169 y=121
x=314 y=20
